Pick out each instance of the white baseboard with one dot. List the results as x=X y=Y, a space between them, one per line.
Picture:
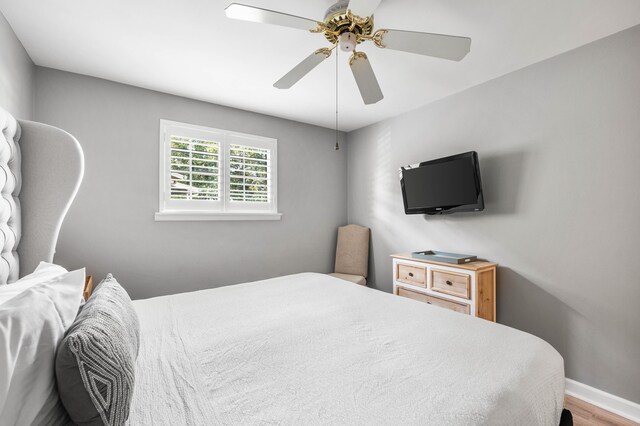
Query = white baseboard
x=604 y=400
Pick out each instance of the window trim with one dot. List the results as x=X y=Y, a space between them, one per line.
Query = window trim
x=166 y=208
x=194 y=216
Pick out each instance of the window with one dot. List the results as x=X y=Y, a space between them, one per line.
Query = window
x=212 y=174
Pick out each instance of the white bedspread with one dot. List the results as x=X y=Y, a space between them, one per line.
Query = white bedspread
x=310 y=349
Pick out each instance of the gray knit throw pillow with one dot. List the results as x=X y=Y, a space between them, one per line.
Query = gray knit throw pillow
x=95 y=361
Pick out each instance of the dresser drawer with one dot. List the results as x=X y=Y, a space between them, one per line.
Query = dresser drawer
x=433 y=300
x=409 y=274
x=452 y=283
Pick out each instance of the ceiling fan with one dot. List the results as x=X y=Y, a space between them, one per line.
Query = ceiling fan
x=346 y=24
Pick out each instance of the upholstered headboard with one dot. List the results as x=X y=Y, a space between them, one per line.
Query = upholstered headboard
x=41 y=168
x=10 y=184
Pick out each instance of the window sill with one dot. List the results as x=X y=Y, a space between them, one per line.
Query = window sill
x=186 y=216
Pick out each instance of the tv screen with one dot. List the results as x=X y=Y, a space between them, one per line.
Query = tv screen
x=446 y=185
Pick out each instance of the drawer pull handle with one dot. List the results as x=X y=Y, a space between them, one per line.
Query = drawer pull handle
x=449 y=282
x=411 y=274
x=428 y=303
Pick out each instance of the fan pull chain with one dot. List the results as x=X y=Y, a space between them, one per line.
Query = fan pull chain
x=337 y=134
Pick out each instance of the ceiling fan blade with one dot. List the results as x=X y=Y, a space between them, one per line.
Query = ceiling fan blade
x=265 y=16
x=363 y=8
x=438 y=45
x=302 y=69
x=365 y=78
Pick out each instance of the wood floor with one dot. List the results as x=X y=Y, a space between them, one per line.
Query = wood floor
x=585 y=414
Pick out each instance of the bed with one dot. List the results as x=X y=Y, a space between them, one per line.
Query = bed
x=313 y=349
x=299 y=349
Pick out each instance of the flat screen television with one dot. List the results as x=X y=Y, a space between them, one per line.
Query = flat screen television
x=445 y=185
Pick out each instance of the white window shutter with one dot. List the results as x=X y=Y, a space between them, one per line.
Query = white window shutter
x=249 y=172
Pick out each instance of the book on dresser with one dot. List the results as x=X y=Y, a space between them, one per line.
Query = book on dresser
x=468 y=288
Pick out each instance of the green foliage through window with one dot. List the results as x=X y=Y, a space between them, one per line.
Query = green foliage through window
x=249 y=170
x=195 y=169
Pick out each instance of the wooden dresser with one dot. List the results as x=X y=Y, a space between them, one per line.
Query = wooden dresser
x=468 y=288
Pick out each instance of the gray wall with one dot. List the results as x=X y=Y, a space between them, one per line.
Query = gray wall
x=16 y=74
x=559 y=147
x=110 y=227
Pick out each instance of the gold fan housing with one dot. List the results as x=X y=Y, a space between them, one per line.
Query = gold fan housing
x=338 y=20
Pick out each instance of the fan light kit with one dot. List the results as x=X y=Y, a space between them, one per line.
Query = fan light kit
x=347 y=24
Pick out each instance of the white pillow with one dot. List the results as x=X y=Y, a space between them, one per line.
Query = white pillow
x=32 y=324
x=44 y=271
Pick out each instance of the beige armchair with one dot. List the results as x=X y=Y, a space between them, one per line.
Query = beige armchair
x=352 y=254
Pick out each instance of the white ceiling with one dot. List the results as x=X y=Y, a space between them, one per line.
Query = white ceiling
x=190 y=48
